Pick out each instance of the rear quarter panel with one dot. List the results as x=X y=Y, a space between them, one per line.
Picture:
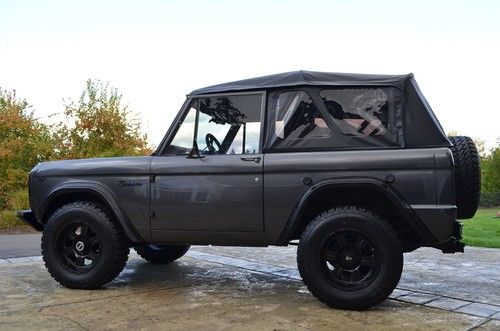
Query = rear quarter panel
x=414 y=170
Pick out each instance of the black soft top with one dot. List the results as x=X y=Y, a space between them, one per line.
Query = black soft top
x=414 y=123
x=304 y=78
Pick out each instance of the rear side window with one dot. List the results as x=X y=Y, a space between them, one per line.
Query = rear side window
x=297 y=117
x=334 y=118
x=358 y=112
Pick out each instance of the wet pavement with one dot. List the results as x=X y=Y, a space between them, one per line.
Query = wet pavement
x=217 y=288
x=472 y=276
x=19 y=245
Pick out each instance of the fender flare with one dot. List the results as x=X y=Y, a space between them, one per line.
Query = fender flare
x=100 y=191
x=381 y=186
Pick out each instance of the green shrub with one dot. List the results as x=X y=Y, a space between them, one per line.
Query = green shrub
x=489 y=199
x=9 y=219
x=17 y=200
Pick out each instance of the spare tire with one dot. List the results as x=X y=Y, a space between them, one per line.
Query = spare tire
x=467 y=176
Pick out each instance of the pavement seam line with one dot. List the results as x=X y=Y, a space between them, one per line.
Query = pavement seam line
x=467 y=301
x=475 y=327
x=69 y=319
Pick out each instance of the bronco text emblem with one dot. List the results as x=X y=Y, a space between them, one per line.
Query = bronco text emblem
x=122 y=183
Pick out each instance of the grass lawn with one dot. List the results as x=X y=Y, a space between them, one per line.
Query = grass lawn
x=483 y=230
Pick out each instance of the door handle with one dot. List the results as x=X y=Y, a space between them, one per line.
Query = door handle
x=255 y=159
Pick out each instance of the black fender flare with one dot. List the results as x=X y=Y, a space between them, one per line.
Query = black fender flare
x=98 y=190
x=381 y=186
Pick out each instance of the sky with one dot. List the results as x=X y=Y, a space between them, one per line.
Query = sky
x=156 y=52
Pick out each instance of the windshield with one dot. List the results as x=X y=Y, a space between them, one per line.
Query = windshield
x=220 y=125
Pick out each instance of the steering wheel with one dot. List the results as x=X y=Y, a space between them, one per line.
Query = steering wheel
x=211 y=140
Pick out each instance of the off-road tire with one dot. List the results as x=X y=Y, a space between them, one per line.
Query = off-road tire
x=350 y=219
x=161 y=254
x=114 y=249
x=467 y=176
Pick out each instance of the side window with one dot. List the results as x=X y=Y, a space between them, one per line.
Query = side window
x=220 y=125
x=297 y=117
x=358 y=112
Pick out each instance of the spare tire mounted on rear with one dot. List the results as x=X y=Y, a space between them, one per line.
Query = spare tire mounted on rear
x=467 y=176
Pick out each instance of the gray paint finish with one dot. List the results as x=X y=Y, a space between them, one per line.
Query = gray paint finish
x=413 y=171
x=122 y=183
x=215 y=193
x=222 y=199
x=193 y=199
x=226 y=200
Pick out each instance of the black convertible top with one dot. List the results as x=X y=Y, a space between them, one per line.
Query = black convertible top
x=415 y=124
x=301 y=78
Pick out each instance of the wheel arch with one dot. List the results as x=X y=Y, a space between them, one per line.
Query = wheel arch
x=94 y=192
x=330 y=193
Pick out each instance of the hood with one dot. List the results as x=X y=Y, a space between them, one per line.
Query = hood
x=98 y=166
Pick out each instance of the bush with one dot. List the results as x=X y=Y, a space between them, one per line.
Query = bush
x=9 y=219
x=96 y=125
x=489 y=199
x=99 y=125
x=24 y=142
x=18 y=200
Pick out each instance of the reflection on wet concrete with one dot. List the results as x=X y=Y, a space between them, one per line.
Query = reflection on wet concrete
x=195 y=294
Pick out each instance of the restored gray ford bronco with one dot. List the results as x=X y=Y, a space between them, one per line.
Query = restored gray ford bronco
x=354 y=169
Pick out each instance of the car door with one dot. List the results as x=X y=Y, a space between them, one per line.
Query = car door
x=209 y=175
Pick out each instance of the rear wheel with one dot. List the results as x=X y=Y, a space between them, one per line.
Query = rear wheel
x=82 y=247
x=161 y=253
x=350 y=258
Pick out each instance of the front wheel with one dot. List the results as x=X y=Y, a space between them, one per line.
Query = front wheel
x=161 y=254
x=82 y=247
x=350 y=258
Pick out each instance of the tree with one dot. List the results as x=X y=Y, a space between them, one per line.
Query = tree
x=98 y=125
x=490 y=169
x=24 y=142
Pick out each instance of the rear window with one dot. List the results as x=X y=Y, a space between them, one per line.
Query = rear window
x=358 y=111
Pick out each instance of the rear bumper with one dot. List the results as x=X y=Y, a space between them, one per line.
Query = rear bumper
x=454 y=245
x=28 y=217
x=441 y=221
x=438 y=219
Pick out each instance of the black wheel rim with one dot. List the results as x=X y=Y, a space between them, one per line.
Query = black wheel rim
x=79 y=247
x=349 y=260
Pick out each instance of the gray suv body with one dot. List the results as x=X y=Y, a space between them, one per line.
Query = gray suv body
x=355 y=167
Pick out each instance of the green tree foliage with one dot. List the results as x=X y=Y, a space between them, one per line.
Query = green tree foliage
x=24 y=142
x=98 y=125
x=490 y=171
x=490 y=168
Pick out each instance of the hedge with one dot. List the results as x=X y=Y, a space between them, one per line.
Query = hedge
x=489 y=199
